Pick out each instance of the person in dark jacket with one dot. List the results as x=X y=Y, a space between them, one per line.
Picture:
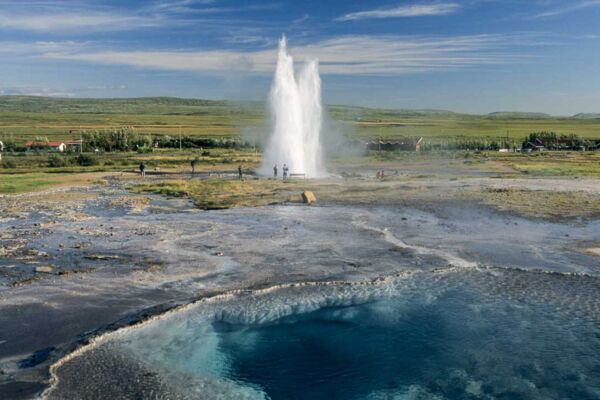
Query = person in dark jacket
x=240 y=172
x=142 y=169
x=285 y=171
x=275 y=171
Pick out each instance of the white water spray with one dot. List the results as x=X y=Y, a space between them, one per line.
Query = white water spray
x=296 y=112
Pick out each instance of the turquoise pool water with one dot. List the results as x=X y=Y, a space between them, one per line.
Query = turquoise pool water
x=456 y=334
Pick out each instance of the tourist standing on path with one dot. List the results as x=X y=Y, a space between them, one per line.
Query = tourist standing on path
x=240 y=172
x=285 y=171
x=194 y=161
x=275 y=171
x=142 y=169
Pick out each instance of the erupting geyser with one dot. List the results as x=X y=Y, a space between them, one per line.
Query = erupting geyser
x=296 y=113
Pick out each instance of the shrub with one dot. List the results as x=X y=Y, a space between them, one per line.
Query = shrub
x=9 y=164
x=56 y=161
x=85 y=160
x=554 y=141
x=10 y=144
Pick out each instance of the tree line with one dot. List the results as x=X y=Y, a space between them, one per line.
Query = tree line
x=127 y=139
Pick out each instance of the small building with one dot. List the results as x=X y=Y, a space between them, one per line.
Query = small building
x=406 y=144
x=61 y=147
x=594 y=144
x=49 y=146
x=74 y=145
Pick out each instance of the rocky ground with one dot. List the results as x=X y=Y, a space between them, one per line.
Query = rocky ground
x=77 y=262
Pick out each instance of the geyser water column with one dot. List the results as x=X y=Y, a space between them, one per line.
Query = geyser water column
x=296 y=115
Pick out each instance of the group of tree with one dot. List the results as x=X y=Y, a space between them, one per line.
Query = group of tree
x=83 y=160
x=120 y=139
x=10 y=143
x=194 y=142
x=127 y=139
x=554 y=141
x=472 y=144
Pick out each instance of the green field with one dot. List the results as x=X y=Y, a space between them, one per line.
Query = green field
x=28 y=117
x=60 y=119
x=35 y=181
x=161 y=160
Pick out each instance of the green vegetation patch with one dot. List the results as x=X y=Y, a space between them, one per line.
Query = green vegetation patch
x=24 y=118
x=541 y=204
x=554 y=163
x=214 y=194
x=36 y=181
x=20 y=183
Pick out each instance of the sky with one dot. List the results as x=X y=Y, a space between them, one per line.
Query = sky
x=474 y=56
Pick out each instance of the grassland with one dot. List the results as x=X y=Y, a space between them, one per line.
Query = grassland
x=554 y=163
x=33 y=172
x=403 y=190
x=60 y=119
x=160 y=160
x=540 y=204
x=219 y=194
x=32 y=182
x=441 y=127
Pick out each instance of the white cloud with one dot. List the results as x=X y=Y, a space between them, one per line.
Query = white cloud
x=178 y=5
x=411 y=10
x=345 y=55
x=67 y=21
x=201 y=7
x=34 y=91
x=571 y=7
x=100 y=88
x=40 y=47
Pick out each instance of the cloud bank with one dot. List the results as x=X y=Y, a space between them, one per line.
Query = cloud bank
x=411 y=10
x=342 y=55
x=571 y=6
x=64 y=22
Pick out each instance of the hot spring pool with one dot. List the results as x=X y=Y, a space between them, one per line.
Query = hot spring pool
x=453 y=334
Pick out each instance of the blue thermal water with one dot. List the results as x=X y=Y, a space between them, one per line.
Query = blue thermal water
x=418 y=342
x=445 y=349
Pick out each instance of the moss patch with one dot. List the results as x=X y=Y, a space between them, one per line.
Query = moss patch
x=541 y=204
x=213 y=194
x=31 y=182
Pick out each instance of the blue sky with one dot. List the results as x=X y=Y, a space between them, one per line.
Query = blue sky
x=474 y=56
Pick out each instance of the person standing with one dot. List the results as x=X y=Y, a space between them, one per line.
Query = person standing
x=285 y=171
x=193 y=163
x=240 y=172
x=142 y=169
x=275 y=171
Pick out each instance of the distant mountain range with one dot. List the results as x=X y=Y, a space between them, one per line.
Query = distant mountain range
x=586 y=116
x=518 y=115
x=174 y=106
